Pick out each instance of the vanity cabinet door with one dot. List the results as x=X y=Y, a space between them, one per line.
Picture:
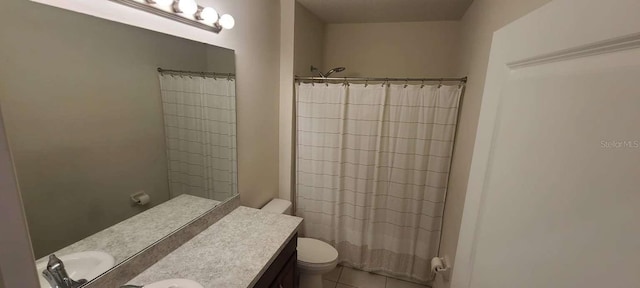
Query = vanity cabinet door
x=287 y=277
x=282 y=273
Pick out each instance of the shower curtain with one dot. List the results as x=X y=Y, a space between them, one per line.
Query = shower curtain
x=200 y=128
x=372 y=170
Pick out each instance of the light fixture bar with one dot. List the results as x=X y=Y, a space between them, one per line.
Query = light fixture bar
x=145 y=7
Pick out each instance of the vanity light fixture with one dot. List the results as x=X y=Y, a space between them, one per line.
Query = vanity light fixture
x=208 y=15
x=184 y=11
x=227 y=22
x=186 y=7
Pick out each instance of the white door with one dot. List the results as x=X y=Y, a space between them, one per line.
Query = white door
x=554 y=190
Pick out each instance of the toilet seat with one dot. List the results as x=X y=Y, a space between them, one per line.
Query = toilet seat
x=316 y=255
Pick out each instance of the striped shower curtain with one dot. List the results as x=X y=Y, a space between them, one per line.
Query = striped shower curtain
x=200 y=128
x=372 y=170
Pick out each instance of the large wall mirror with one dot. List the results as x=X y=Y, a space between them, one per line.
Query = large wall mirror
x=119 y=135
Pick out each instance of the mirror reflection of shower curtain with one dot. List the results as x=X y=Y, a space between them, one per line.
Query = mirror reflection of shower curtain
x=200 y=131
x=372 y=168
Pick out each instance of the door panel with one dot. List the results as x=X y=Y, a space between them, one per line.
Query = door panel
x=561 y=195
x=554 y=190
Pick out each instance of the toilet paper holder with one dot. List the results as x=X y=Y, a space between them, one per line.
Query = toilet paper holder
x=440 y=266
x=140 y=198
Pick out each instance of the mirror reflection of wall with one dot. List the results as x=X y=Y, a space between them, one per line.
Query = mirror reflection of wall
x=83 y=109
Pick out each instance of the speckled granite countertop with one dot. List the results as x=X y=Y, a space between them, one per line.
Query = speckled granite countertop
x=128 y=237
x=233 y=252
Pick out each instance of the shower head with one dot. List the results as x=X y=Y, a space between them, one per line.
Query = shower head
x=334 y=70
x=325 y=75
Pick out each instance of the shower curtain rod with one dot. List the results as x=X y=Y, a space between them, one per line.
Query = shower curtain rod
x=195 y=73
x=378 y=79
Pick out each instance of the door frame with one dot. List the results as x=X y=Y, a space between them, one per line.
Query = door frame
x=572 y=29
x=17 y=267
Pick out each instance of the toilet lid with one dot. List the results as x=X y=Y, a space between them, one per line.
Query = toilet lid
x=315 y=251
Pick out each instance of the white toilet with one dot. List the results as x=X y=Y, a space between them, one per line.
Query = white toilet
x=315 y=257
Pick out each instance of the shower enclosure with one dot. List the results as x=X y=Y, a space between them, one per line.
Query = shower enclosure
x=372 y=167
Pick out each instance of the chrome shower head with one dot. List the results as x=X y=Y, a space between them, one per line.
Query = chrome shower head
x=334 y=70
x=325 y=75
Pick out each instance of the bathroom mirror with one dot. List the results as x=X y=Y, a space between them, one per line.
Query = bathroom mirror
x=119 y=135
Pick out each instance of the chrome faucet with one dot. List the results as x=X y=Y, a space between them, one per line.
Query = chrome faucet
x=57 y=276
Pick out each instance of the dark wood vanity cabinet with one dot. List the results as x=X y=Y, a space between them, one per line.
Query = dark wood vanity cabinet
x=287 y=277
x=283 y=272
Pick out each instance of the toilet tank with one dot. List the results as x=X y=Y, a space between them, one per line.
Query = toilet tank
x=278 y=206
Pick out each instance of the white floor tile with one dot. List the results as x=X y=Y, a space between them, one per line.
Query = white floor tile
x=328 y=284
x=333 y=275
x=361 y=279
x=395 y=283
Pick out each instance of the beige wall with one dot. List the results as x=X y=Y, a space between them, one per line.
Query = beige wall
x=301 y=42
x=285 y=128
x=256 y=40
x=409 y=49
x=84 y=119
x=309 y=41
x=477 y=27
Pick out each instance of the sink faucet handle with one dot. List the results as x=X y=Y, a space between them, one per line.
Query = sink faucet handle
x=54 y=272
x=57 y=276
x=54 y=262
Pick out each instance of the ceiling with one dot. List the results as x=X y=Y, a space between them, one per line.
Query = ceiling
x=372 y=11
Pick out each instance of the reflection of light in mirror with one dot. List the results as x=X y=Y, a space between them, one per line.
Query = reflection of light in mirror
x=188 y=7
x=208 y=15
x=227 y=21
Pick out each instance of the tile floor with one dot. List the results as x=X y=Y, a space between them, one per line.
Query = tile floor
x=345 y=277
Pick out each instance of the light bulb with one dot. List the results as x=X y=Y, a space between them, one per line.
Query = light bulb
x=208 y=15
x=227 y=21
x=163 y=2
x=188 y=7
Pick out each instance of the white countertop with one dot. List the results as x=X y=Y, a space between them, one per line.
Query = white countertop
x=132 y=235
x=233 y=252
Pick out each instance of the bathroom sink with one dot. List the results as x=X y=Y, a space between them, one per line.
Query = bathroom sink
x=174 y=283
x=81 y=265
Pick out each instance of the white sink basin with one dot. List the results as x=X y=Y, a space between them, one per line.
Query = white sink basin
x=174 y=283
x=81 y=265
